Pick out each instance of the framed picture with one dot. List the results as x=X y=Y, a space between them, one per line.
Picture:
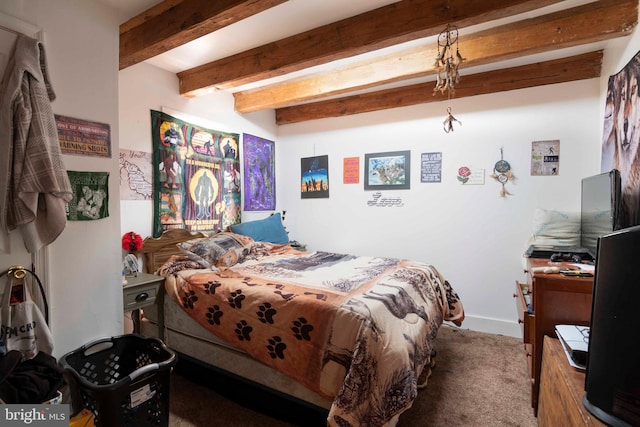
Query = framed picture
x=387 y=171
x=314 y=182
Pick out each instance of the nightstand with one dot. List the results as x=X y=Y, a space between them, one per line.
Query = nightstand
x=141 y=291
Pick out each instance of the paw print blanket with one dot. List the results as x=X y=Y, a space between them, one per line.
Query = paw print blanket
x=355 y=329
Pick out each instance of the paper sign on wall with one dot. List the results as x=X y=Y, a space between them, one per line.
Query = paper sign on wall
x=545 y=158
x=431 y=167
x=468 y=175
x=351 y=170
x=84 y=137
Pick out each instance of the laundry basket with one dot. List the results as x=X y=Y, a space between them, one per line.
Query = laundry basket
x=123 y=380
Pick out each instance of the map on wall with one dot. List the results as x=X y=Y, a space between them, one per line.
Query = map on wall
x=136 y=179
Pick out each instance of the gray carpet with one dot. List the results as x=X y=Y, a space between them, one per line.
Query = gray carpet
x=479 y=380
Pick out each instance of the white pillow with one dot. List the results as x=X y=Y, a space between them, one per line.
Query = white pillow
x=555 y=228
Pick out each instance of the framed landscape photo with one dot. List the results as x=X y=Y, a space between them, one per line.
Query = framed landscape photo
x=387 y=171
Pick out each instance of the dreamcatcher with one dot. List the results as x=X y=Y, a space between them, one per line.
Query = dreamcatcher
x=446 y=67
x=502 y=173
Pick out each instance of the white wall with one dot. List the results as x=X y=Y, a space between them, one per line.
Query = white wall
x=475 y=237
x=81 y=41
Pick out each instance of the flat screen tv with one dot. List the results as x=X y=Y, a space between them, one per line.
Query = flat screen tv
x=612 y=381
x=599 y=208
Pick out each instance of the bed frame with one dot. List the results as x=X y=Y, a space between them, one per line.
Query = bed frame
x=186 y=337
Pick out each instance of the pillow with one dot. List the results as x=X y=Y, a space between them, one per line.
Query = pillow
x=556 y=228
x=269 y=230
x=223 y=249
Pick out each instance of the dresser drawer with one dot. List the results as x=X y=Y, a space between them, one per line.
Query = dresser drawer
x=525 y=319
x=528 y=350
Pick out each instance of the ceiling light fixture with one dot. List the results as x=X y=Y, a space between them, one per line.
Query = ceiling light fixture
x=446 y=65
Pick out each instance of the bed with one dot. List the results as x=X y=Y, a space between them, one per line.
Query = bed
x=348 y=333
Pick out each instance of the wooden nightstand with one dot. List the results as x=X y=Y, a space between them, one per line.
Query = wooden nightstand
x=141 y=291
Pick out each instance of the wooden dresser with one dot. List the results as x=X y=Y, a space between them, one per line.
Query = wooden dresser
x=561 y=390
x=555 y=300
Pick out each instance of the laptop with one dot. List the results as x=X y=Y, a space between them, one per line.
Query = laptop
x=575 y=341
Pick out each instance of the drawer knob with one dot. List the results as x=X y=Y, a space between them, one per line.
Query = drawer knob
x=515 y=295
x=142 y=296
x=520 y=321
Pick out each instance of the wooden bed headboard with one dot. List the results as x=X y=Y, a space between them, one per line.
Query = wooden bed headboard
x=157 y=250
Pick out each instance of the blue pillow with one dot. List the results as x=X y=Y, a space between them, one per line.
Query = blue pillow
x=269 y=230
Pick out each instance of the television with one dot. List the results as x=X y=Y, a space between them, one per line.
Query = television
x=612 y=380
x=600 y=206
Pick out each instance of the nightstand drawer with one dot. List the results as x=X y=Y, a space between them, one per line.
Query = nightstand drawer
x=140 y=297
x=141 y=291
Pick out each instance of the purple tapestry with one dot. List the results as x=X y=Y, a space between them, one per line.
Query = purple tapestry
x=259 y=173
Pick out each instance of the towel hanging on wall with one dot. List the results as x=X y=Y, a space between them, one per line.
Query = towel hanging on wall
x=35 y=187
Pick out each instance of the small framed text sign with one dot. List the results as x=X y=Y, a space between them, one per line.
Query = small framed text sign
x=431 y=167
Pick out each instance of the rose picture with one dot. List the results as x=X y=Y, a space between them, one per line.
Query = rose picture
x=463 y=174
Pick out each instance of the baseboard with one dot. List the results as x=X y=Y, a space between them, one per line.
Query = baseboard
x=492 y=326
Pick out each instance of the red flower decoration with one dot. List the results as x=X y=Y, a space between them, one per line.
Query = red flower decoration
x=463 y=174
x=464 y=171
x=131 y=242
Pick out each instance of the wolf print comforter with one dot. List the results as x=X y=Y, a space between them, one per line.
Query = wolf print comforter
x=355 y=329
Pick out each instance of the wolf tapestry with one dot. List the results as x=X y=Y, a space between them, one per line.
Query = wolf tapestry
x=622 y=137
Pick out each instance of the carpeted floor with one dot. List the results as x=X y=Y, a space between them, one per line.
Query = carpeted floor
x=479 y=380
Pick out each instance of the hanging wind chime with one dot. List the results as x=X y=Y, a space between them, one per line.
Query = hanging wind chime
x=446 y=65
x=502 y=173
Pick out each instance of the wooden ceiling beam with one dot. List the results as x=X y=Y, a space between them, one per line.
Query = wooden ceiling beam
x=563 y=70
x=585 y=24
x=173 y=23
x=383 y=27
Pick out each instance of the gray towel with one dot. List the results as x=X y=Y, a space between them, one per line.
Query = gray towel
x=35 y=187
